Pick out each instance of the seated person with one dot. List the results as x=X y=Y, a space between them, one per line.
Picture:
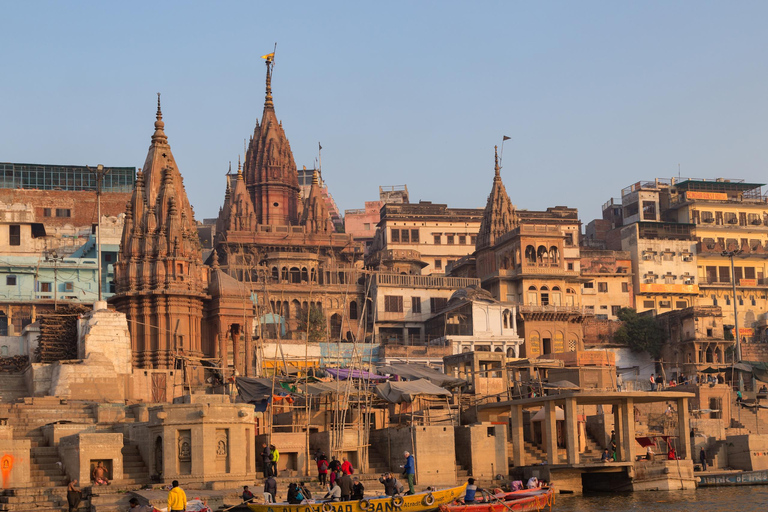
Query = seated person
x=469 y=496
x=671 y=454
x=606 y=456
x=358 y=490
x=533 y=483
x=247 y=494
x=294 y=494
x=334 y=493
x=517 y=485
x=305 y=491
x=100 y=476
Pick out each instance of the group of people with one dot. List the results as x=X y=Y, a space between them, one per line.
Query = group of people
x=270 y=456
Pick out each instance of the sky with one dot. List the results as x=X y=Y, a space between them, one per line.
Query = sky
x=595 y=95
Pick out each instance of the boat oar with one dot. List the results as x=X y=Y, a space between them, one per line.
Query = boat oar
x=498 y=499
x=235 y=506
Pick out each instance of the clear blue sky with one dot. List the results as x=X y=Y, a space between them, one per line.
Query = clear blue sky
x=595 y=95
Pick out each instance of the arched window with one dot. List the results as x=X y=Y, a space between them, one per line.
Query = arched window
x=335 y=326
x=533 y=297
x=530 y=255
x=353 y=310
x=542 y=255
x=554 y=255
x=295 y=275
x=507 y=319
x=284 y=274
x=304 y=275
x=275 y=274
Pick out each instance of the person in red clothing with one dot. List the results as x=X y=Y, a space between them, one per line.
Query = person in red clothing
x=322 y=469
x=346 y=467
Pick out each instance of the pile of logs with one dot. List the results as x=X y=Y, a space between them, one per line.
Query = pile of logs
x=13 y=364
x=58 y=334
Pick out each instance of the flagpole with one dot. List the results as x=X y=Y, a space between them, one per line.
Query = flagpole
x=504 y=138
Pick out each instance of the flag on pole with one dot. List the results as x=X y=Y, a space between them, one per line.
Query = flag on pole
x=319 y=146
x=506 y=138
x=269 y=56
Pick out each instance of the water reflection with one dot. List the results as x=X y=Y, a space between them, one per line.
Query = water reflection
x=717 y=499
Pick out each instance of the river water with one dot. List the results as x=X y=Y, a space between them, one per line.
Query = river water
x=742 y=498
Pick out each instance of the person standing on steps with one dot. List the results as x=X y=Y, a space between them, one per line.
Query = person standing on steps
x=409 y=471
x=266 y=459
x=177 y=498
x=274 y=459
x=74 y=495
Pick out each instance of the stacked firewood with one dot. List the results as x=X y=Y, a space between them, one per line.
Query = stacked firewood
x=13 y=364
x=58 y=334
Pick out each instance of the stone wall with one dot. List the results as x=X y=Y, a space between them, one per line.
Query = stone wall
x=748 y=452
x=14 y=462
x=482 y=449
x=80 y=452
x=433 y=449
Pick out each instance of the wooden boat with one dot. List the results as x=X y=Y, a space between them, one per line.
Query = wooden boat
x=714 y=479
x=419 y=502
x=516 y=501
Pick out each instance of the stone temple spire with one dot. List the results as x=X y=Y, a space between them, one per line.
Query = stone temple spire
x=268 y=97
x=500 y=215
x=159 y=135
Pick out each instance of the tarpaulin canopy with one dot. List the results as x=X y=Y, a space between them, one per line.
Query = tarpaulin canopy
x=561 y=384
x=346 y=373
x=253 y=391
x=650 y=441
x=539 y=416
x=327 y=388
x=419 y=371
x=712 y=370
x=758 y=368
x=398 y=392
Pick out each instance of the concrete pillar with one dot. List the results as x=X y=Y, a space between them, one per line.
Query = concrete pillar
x=550 y=431
x=628 y=429
x=518 y=439
x=618 y=431
x=683 y=429
x=571 y=431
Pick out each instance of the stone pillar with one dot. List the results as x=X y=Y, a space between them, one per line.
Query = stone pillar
x=571 y=431
x=628 y=429
x=550 y=431
x=618 y=431
x=683 y=429
x=518 y=438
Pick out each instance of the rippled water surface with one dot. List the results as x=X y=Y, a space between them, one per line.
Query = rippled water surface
x=732 y=499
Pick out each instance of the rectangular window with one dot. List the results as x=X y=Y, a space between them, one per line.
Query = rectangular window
x=393 y=303
x=570 y=266
x=665 y=304
x=615 y=310
x=437 y=303
x=602 y=287
x=681 y=304
x=749 y=272
x=366 y=225
x=415 y=236
x=625 y=287
x=416 y=304
x=63 y=212
x=394 y=235
x=10 y=280
x=439 y=264
x=725 y=274
x=14 y=234
x=69 y=286
x=46 y=287
x=462 y=239
x=437 y=239
x=473 y=239
x=404 y=236
x=738 y=274
x=569 y=239
x=648 y=304
x=669 y=279
x=450 y=239
x=711 y=274
x=649 y=210
x=544 y=298
x=47 y=212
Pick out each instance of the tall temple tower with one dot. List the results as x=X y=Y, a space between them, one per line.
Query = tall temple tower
x=270 y=171
x=160 y=278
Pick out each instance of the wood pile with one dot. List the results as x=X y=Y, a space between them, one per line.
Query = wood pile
x=13 y=364
x=58 y=334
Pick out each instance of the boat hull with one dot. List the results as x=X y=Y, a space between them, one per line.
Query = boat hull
x=518 y=501
x=419 y=502
x=727 y=479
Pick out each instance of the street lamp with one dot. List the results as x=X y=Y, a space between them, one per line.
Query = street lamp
x=100 y=172
x=731 y=254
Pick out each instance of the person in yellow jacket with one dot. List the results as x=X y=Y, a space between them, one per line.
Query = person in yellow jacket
x=177 y=499
x=275 y=458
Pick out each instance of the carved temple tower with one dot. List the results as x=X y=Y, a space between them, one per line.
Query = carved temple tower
x=270 y=171
x=160 y=278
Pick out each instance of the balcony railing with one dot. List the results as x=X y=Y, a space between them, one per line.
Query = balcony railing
x=409 y=281
x=577 y=310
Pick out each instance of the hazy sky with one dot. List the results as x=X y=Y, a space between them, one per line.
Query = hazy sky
x=595 y=95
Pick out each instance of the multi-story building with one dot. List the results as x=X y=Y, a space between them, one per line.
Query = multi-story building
x=361 y=223
x=608 y=285
x=423 y=237
x=681 y=233
x=530 y=259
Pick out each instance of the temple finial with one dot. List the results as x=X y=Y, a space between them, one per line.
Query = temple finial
x=270 y=64
x=496 y=166
x=159 y=135
x=239 y=169
x=315 y=180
